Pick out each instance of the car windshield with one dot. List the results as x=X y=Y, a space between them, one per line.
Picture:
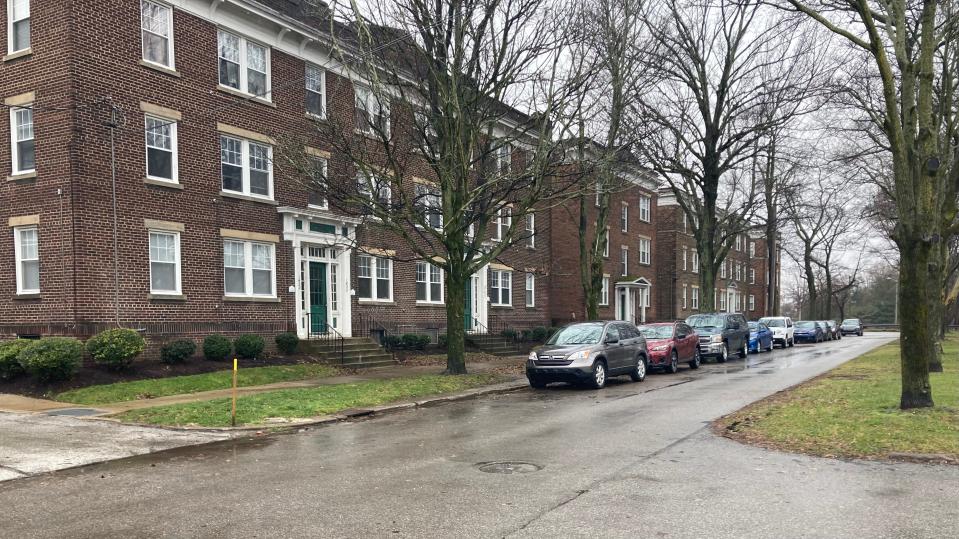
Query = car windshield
x=774 y=322
x=706 y=321
x=578 y=334
x=805 y=325
x=656 y=332
x=850 y=321
x=753 y=326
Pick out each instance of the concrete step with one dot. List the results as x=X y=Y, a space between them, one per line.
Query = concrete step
x=370 y=364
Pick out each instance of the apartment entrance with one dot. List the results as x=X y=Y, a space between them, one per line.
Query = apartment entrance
x=317 y=297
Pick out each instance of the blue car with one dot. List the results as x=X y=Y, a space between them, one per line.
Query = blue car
x=808 y=331
x=760 y=338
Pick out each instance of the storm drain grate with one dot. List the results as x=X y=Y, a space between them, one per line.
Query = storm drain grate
x=75 y=412
x=508 y=467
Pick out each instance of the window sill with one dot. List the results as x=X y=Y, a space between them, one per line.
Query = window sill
x=315 y=117
x=430 y=304
x=162 y=69
x=166 y=297
x=19 y=54
x=163 y=183
x=34 y=295
x=244 y=95
x=238 y=196
x=32 y=175
x=250 y=299
x=375 y=301
x=500 y=306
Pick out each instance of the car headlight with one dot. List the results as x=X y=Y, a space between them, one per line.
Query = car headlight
x=716 y=339
x=661 y=348
x=582 y=355
x=533 y=356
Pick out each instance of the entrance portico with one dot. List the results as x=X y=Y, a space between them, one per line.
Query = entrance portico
x=632 y=300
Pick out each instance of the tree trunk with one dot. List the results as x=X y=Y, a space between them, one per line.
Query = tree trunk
x=772 y=231
x=939 y=282
x=455 y=322
x=914 y=322
x=810 y=285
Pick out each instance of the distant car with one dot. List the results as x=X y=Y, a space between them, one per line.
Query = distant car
x=721 y=334
x=670 y=344
x=826 y=332
x=760 y=338
x=834 y=329
x=589 y=352
x=851 y=326
x=808 y=331
x=783 y=329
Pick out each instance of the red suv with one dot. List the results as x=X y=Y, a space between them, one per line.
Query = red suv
x=670 y=344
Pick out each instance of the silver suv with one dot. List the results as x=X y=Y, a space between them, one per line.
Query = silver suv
x=589 y=352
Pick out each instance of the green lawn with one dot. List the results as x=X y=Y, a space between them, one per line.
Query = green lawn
x=179 y=385
x=305 y=403
x=853 y=412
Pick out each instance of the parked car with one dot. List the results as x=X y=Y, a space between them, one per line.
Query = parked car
x=851 y=326
x=782 y=328
x=589 y=352
x=826 y=333
x=834 y=329
x=808 y=331
x=670 y=344
x=760 y=338
x=720 y=334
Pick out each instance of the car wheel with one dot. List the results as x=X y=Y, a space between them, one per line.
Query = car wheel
x=744 y=353
x=639 y=373
x=723 y=355
x=792 y=342
x=860 y=333
x=697 y=360
x=599 y=375
x=771 y=346
x=536 y=383
x=673 y=367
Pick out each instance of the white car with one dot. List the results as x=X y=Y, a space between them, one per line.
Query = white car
x=783 y=330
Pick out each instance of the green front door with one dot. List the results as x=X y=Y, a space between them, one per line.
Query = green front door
x=318 y=314
x=468 y=315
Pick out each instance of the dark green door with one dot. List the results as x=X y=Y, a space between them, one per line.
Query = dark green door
x=318 y=297
x=468 y=315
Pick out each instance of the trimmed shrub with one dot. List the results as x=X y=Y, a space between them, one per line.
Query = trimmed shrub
x=392 y=342
x=539 y=334
x=177 y=351
x=287 y=343
x=9 y=350
x=551 y=331
x=442 y=340
x=509 y=334
x=249 y=346
x=412 y=341
x=52 y=358
x=217 y=348
x=115 y=348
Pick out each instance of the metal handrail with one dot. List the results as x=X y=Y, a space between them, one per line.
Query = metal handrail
x=329 y=336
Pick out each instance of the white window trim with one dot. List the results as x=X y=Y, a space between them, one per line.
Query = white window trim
x=685 y=258
x=18 y=258
x=645 y=255
x=695 y=261
x=244 y=65
x=531 y=229
x=374 y=264
x=645 y=208
x=432 y=193
x=326 y=169
x=503 y=225
x=624 y=259
x=170 y=47
x=14 y=152
x=322 y=91
x=10 y=22
x=248 y=270
x=685 y=296
x=624 y=217
x=752 y=303
x=604 y=291
x=695 y=301
x=174 y=146
x=177 y=264
x=429 y=294
x=245 y=168
x=606 y=245
x=530 y=290
x=369 y=98
x=752 y=276
x=499 y=287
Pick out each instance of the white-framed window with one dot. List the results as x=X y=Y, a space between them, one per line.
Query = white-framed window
x=530 y=290
x=246 y=167
x=156 y=33
x=18 y=25
x=752 y=303
x=374 y=187
x=685 y=224
x=645 y=251
x=739 y=242
x=318 y=170
x=429 y=200
x=249 y=269
x=752 y=249
x=372 y=113
x=685 y=292
x=722 y=300
x=604 y=291
x=315 y=91
x=695 y=261
x=501 y=287
x=695 y=302
x=424 y=132
x=504 y=158
x=23 y=146
x=161 y=147
x=752 y=276
x=504 y=219
x=244 y=65
x=26 y=242
x=164 y=262
x=429 y=283
x=606 y=244
x=374 y=278
x=685 y=258
x=624 y=261
x=599 y=192
x=739 y=272
x=722 y=269
x=531 y=230
x=624 y=218
x=644 y=208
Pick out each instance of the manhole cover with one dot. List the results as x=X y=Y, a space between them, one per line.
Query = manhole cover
x=509 y=467
x=75 y=412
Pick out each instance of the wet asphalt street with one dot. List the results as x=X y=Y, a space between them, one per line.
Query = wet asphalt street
x=633 y=460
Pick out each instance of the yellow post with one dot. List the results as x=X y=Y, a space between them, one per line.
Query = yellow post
x=233 y=412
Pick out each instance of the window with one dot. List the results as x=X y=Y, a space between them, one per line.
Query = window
x=606 y=244
x=156 y=33
x=685 y=224
x=504 y=158
x=695 y=298
x=424 y=132
x=315 y=91
x=248 y=269
x=318 y=182
x=685 y=290
x=752 y=276
x=752 y=303
x=604 y=291
x=372 y=113
x=530 y=290
x=375 y=276
x=695 y=261
x=624 y=261
x=23 y=147
x=531 y=231
x=244 y=65
x=246 y=167
x=161 y=149
x=645 y=251
x=599 y=192
x=164 y=263
x=27 y=252
x=429 y=200
x=375 y=188
x=18 y=28
x=739 y=272
x=722 y=300
x=504 y=219
x=429 y=283
x=752 y=249
x=624 y=218
x=739 y=243
x=685 y=258
x=644 y=204
x=500 y=287
x=722 y=269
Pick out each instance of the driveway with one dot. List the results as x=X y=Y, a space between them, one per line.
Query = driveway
x=634 y=460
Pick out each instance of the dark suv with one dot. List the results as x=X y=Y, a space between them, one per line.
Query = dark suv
x=721 y=334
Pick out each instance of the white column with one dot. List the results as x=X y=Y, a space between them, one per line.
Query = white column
x=343 y=287
x=301 y=329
